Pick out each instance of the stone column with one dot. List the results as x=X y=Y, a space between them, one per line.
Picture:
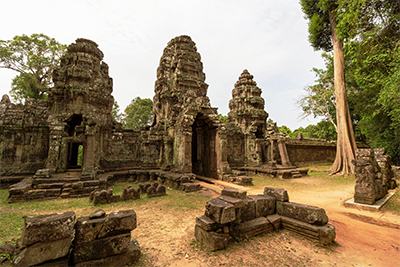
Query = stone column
x=283 y=153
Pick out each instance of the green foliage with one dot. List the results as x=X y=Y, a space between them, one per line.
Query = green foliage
x=34 y=57
x=284 y=129
x=223 y=118
x=116 y=113
x=138 y=113
x=323 y=130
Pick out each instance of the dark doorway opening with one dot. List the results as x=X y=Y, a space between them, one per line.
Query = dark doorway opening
x=75 y=156
x=204 y=156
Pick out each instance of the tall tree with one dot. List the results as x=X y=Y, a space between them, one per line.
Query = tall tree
x=34 y=58
x=138 y=113
x=323 y=35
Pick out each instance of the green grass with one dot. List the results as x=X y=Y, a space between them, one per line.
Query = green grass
x=393 y=204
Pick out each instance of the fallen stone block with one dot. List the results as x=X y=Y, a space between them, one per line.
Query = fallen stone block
x=118 y=222
x=207 y=224
x=230 y=192
x=248 y=212
x=279 y=194
x=156 y=191
x=220 y=211
x=45 y=228
x=130 y=193
x=251 y=228
x=323 y=234
x=265 y=205
x=126 y=259
x=101 y=248
x=212 y=240
x=43 y=251
x=301 y=212
x=276 y=221
x=190 y=187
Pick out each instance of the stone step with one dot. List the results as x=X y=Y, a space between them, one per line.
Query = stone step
x=50 y=185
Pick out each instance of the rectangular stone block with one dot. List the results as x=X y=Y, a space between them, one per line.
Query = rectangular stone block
x=301 y=212
x=230 y=192
x=126 y=259
x=43 y=251
x=323 y=234
x=276 y=221
x=279 y=194
x=101 y=248
x=220 y=211
x=248 y=212
x=252 y=228
x=87 y=230
x=45 y=228
x=265 y=205
x=117 y=222
x=212 y=240
x=206 y=223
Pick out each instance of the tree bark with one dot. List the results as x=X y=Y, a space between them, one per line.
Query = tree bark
x=346 y=144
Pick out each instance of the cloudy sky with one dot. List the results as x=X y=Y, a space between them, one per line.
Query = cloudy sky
x=266 y=37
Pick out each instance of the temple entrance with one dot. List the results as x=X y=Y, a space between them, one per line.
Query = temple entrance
x=204 y=156
x=75 y=155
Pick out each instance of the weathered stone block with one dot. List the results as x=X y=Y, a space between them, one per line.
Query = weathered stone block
x=130 y=193
x=265 y=205
x=206 y=223
x=126 y=259
x=230 y=192
x=212 y=240
x=220 y=211
x=251 y=228
x=118 y=222
x=279 y=194
x=276 y=221
x=87 y=229
x=42 y=252
x=248 y=212
x=301 y=212
x=101 y=248
x=47 y=228
x=324 y=234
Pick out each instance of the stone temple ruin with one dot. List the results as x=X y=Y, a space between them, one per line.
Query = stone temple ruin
x=44 y=137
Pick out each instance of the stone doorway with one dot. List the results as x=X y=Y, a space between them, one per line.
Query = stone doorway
x=75 y=156
x=204 y=156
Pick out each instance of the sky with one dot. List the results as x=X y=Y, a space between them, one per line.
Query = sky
x=269 y=38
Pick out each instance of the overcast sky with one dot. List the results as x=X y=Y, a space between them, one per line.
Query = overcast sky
x=269 y=38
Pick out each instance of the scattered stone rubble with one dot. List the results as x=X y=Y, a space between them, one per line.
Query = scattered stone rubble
x=95 y=240
x=234 y=215
x=374 y=175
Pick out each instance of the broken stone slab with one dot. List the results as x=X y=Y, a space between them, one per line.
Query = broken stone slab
x=251 y=228
x=304 y=213
x=43 y=251
x=101 y=248
x=130 y=193
x=220 y=211
x=323 y=234
x=156 y=190
x=212 y=240
x=45 y=228
x=87 y=229
x=207 y=224
x=118 y=222
x=236 y=193
x=276 y=221
x=279 y=194
x=191 y=187
x=265 y=205
x=126 y=259
x=97 y=214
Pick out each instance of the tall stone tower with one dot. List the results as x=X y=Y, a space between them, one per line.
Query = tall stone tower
x=80 y=107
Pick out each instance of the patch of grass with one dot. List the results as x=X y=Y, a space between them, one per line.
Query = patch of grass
x=393 y=204
x=11 y=224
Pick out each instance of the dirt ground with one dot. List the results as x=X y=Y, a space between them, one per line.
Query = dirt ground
x=363 y=238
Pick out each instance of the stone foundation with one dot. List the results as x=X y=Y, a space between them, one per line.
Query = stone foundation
x=234 y=215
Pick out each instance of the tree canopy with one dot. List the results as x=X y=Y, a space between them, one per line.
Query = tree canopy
x=138 y=113
x=34 y=58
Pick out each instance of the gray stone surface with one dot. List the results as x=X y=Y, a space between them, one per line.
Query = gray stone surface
x=220 y=211
x=231 y=192
x=265 y=205
x=279 y=194
x=304 y=213
x=212 y=240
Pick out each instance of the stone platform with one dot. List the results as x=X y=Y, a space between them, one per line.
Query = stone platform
x=375 y=207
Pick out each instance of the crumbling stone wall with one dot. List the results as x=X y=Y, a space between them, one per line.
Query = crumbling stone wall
x=24 y=136
x=234 y=215
x=95 y=240
x=374 y=176
x=306 y=150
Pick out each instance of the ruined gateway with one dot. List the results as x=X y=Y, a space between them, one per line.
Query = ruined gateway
x=185 y=136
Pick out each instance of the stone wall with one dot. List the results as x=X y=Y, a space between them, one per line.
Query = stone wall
x=95 y=240
x=307 y=150
x=24 y=136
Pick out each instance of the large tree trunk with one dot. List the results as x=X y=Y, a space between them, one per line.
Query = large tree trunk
x=346 y=144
